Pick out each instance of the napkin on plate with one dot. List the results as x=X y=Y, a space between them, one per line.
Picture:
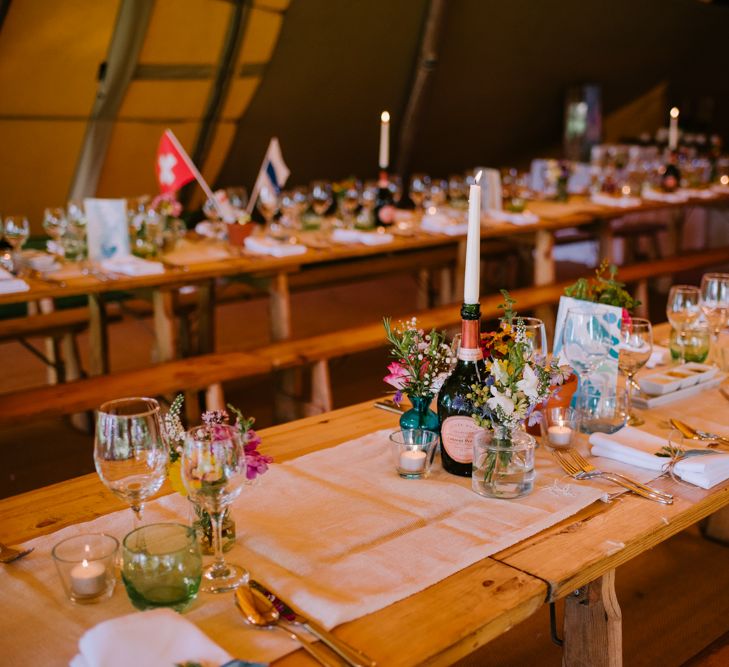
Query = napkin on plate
x=659 y=356
x=39 y=261
x=263 y=245
x=525 y=218
x=132 y=266
x=10 y=284
x=638 y=448
x=157 y=638
x=358 y=236
x=438 y=223
x=697 y=193
x=619 y=202
x=669 y=197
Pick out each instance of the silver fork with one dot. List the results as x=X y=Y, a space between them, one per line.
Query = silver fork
x=576 y=466
x=8 y=554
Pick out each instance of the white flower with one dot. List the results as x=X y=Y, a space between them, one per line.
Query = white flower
x=500 y=400
x=499 y=372
x=529 y=383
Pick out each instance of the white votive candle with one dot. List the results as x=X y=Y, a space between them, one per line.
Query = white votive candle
x=88 y=578
x=412 y=460
x=559 y=435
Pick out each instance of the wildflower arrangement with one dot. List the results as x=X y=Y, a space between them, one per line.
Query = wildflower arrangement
x=517 y=381
x=603 y=288
x=422 y=360
x=166 y=204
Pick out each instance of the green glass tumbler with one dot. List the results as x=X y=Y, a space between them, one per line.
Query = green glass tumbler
x=161 y=566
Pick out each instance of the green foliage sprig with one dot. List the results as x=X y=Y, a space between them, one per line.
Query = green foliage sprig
x=603 y=289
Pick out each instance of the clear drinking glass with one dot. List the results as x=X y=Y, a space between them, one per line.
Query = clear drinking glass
x=683 y=309
x=214 y=473
x=268 y=203
x=413 y=451
x=130 y=453
x=349 y=203
x=715 y=305
x=55 y=224
x=636 y=345
x=237 y=197
x=86 y=566
x=536 y=336
x=321 y=197
x=585 y=342
x=17 y=231
x=419 y=188
x=161 y=566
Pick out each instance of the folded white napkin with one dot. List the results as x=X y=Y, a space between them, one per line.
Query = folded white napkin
x=668 y=197
x=263 y=245
x=132 y=266
x=438 y=223
x=358 y=236
x=697 y=193
x=525 y=218
x=9 y=283
x=39 y=261
x=659 y=356
x=638 y=448
x=157 y=638
x=618 y=202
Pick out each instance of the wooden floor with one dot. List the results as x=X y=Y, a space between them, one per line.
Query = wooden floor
x=674 y=599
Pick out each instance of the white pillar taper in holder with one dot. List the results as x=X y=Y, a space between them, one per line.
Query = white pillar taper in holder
x=384 y=160
x=473 y=244
x=673 y=129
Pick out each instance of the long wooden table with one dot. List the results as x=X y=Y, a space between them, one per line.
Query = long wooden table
x=575 y=559
x=274 y=275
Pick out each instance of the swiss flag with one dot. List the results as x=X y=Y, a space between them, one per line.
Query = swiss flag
x=174 y=166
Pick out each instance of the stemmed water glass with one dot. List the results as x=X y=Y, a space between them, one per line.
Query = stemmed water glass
x=636 y=345
x=321 y=197
x=130 y=452
x=715 y=304
x=17 y=231
x=683 y=309
x=419 y=188
x=55 y=224
x=214 y=473
x=536 y=337
x=293 y=204
x=585 y=342
x=268 y=203
x=349 y=203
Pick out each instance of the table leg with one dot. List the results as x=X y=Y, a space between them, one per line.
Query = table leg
x=593 y=635
x=445 y=286
x=163 y=304
x=422 y=296
x=605 y=240
x=214 y=396
x=544 y=273
x=98 y=336
x=716 y=527
x=287 y=383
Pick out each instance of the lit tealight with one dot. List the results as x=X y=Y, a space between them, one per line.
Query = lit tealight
x=559 y=435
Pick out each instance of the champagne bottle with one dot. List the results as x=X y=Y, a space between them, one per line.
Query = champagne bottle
x=454 y=408
x=671 y=176
x=384 y=210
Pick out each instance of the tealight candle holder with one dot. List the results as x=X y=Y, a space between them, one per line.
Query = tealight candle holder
x=559 y=427
x=413 y=451
x=86 y=565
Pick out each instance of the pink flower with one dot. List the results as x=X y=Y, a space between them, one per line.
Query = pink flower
x=398 y=375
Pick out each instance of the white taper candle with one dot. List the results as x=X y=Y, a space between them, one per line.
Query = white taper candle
x=384 y=161
x=473 y=245
x=673 y=130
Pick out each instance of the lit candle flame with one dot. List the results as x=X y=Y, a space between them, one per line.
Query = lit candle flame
x=478 y=176
x=431 y=210
x=724 y=180
x=674 y=112
x=385 y=117
x=84 y=563
x=626 y=190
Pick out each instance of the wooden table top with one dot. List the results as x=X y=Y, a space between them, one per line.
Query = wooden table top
x=579 y=211
x=468 y=609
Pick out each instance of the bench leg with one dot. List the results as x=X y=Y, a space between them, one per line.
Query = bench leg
x=321 y=389
x=544 y=273
x=593 y=634
x=287 y=382
x=445 y=286
x=98 y=339
x=641 y=294
x=214 y=397
x=422 y=296
x=83 y=421
x=716 y=527
x=163 y=303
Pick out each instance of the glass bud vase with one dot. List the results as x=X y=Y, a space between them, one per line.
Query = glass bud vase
x=204 y=530
x=503 y=463
x=420 y=415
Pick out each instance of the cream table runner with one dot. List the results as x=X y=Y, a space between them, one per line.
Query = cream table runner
x=337 y=532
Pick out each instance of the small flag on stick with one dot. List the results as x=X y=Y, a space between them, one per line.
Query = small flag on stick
x=273 y=173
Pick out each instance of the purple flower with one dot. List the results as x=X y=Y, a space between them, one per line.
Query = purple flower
x=212 y=417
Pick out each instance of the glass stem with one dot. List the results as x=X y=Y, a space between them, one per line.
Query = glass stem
x=216 y=518
x=628 y=398
x=682 y=345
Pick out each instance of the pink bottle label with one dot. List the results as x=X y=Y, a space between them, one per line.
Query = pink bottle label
x=457 y=435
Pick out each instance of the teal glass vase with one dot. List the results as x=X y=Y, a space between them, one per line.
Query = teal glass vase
x=420 y=415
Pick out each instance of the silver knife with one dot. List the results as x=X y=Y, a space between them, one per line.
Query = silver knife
x=349 y=654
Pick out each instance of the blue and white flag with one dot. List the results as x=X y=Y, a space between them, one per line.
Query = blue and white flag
x=273 y=173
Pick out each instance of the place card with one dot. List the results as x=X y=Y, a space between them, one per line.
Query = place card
x=107 y=230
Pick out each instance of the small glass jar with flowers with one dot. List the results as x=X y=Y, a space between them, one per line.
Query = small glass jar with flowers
x=256 y=464
x=517 y=383
x=422 y=361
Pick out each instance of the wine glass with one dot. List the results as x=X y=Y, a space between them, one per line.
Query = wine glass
x=438 y=192
x=636 y=345
x=214 y=473
x=419 y=187
x=237 y=197
x=293 y=204
x=457 y=191
x=17 y=231
x=394 y=185
x=55 y=224
x=349 y=203
x=585 y=342
x=268 y=204
x=715 y=303
x=130 y=453
x=536 y=337
x=683 y=309
x=321 y=197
